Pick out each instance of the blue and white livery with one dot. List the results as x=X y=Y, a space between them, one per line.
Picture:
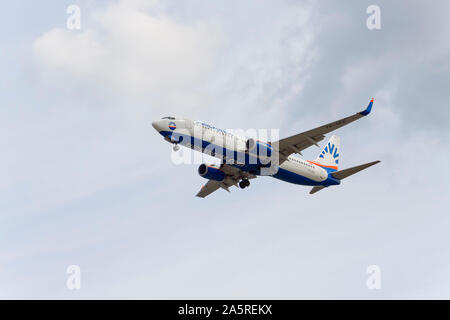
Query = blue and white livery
x=244 y=159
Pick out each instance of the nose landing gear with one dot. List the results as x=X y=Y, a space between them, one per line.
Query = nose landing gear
x=176 y=147
x=244 y=183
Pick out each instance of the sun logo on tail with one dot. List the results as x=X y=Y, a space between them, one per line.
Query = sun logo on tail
x=332 y=150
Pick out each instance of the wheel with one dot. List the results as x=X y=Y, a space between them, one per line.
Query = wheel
x=176 y=148
x=242 y=184
x=247 y=183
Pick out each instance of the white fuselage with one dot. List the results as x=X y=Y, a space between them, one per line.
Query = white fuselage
x=207 y=139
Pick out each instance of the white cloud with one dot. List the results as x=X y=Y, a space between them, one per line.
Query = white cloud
x=186 y=65
x=129 y=48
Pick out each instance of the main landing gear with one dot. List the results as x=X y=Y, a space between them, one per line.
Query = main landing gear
x=244 y=183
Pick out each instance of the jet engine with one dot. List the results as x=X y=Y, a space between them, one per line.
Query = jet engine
x=210 y=172
x=259 y=148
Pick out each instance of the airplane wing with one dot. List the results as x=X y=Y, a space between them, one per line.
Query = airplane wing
x=301 y=141
x=232 y=177
x=208 y=188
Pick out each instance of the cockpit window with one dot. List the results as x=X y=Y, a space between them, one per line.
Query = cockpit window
x=170 y=118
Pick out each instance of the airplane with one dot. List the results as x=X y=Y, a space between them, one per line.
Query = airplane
x=243 y=159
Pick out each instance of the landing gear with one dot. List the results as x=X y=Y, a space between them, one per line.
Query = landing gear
x=244 y=183
x=176 y=147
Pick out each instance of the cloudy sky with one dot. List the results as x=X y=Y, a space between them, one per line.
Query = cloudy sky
x=85 y=180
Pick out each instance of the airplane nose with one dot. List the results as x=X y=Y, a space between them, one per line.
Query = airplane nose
x=156 y=125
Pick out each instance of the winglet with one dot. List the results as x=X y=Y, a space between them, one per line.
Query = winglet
x=368 y=109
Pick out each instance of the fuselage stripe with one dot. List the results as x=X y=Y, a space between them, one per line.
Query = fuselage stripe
x=322 y=165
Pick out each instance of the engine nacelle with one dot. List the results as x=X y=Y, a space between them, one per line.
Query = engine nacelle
x=211 y=173
x=259 y=148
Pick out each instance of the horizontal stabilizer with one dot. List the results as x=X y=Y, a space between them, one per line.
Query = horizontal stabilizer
x=316 y=189
x=342 y=174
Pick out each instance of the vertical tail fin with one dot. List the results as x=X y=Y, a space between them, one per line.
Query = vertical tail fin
x=329 y=157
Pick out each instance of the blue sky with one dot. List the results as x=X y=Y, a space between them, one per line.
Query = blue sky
x=87 y=181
